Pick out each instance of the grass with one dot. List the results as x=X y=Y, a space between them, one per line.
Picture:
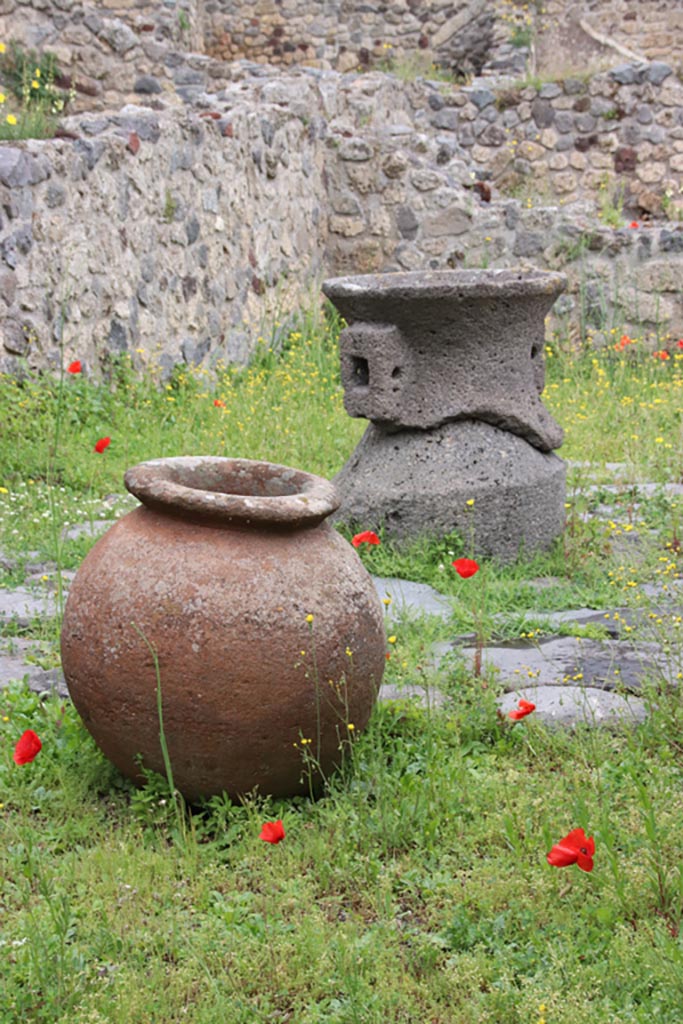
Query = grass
x=416 y=889
x=28 y=124
x=38 y=103
x=412 y=66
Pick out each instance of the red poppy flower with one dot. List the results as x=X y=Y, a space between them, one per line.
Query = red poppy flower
x=465 y=567
x=524 y=708
x=272 y=832
x=575 y=848
x=634 y=224
x=103 y=443
x=368 y=537
x=74 y=367
x=27 y=747
x=679 y=343
x=662 y=354
x=218 y=403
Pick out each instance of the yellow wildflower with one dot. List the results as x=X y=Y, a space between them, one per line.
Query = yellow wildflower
x=2 y=47
x=11 y=119
x=35 y=84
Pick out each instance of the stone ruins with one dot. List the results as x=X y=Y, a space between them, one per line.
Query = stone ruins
x=443 y=362
x=221 y=158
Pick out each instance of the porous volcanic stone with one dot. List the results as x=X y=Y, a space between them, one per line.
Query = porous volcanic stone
x=424 y=348
x=419 y=482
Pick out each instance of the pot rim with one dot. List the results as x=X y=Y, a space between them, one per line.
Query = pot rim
x=171 y=485
x=413 y=285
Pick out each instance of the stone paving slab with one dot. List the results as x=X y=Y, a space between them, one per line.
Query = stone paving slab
x=645 y=489
x=427 y=696
x=49 y=681
x=93 y=529
x=578 y=616
x=411 y=598
x=563 y=661
x=24 y=605
x=569 y=705
x=569 y=679
x=13 y=668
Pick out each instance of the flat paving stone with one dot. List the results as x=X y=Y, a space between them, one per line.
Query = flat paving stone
x=38 y=578
x=571 y=705
x=25 y=605
x=645 y=489
x=666 y=590
x=93 y=529
x=581 y=616
x=49 y=681
x=13 y=668
x=411 y=598
x=427 y=696
x=562 y=661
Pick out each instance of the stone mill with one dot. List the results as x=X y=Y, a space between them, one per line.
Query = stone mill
x=448 y=366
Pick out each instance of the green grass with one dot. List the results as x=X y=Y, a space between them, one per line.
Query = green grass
x=38 y=104
x=416 y=889
x=28 y=124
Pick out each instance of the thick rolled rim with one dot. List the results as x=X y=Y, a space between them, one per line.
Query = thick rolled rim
x=456 y=284
x=228 y=490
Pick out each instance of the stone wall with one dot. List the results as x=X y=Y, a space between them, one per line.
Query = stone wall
x=117 y=51
x=185 y=234
x=156 y=233
x=603 y=31
x=348 y=35
x=617 y=136
x=110 y=51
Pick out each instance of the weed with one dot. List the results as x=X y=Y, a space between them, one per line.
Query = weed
x=522 y=35
x=32 y=77
x=411 y=66
x=170 y=207
x=672 y=207
x=611 y=203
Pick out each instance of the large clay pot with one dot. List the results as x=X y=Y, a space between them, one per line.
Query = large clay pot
x=219 y=571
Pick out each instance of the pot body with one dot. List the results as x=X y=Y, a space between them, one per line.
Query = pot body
x=245 y=674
